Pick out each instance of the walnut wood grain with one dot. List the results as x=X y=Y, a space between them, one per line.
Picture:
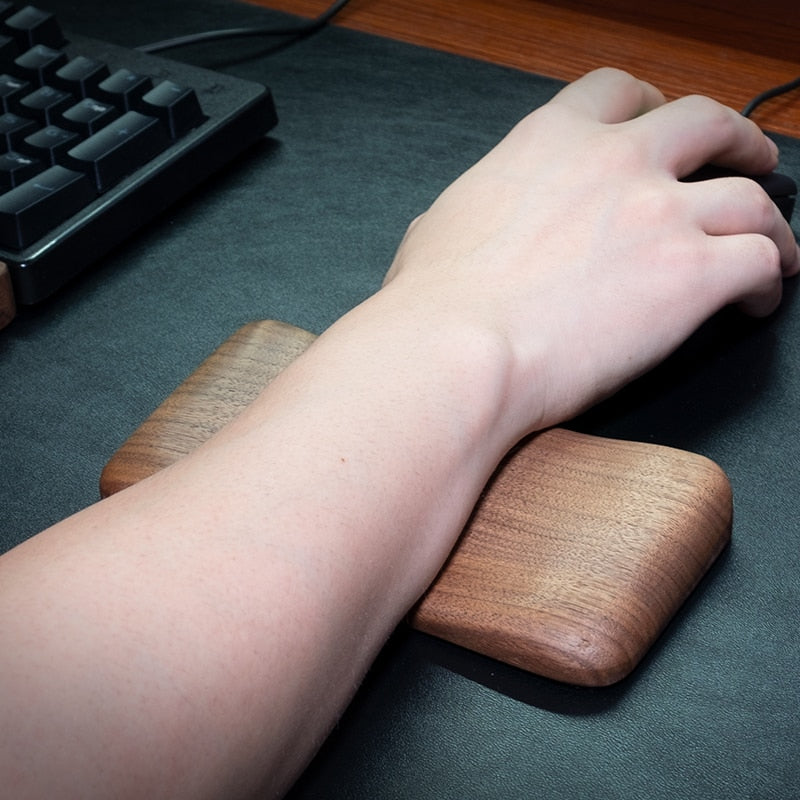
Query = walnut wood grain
x=578 y=553
x=214 y=394
x=8 y=308
x=730 y=51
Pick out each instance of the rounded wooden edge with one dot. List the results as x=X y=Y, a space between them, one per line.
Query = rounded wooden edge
x=589 y=638
x=216 y=391
x=8 y=307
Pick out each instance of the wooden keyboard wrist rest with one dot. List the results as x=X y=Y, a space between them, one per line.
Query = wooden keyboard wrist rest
x=8 y=308
x=578 y=553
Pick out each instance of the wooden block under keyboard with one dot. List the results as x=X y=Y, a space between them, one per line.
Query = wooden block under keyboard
x=578 y=553
x=8 y=308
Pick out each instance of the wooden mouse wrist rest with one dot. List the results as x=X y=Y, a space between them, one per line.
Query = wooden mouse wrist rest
x=578 y=553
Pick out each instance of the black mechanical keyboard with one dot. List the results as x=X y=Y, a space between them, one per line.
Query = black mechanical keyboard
x=97 y=139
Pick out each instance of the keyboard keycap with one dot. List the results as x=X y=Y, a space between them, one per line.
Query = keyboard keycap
x=81 y=76
x=36 y=206
x=124 y=88
x=7 y=9
x=16 y=168
x=176 y=106
x=31 y=26
x=39 y=63
x=89 y=116
x=12 y=89
x=13 y=129
x=45 y=104
x=118 y=149
x=49 y=144
x=9 y=50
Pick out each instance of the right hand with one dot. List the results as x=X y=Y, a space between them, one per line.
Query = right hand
x=575 y=241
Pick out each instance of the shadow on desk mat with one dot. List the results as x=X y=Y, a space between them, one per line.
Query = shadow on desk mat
x=578 y=553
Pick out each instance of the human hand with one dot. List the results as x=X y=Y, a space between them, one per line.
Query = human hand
x=575 y=241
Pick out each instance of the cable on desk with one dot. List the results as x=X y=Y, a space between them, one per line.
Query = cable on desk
x=769 y=94
x=301 y=29
x=305 y=28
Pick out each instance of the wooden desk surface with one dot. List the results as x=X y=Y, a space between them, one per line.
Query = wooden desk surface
x=682 y=46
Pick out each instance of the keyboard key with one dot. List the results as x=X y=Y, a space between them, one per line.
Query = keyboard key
x=89 y=116
x=6 y=9
x=16 y=168
x=49 y=144
x=9 y=50
x=81 y=76
x=12 y=89
x=39 y=63
x=45 y=104
x=13 y=129
x=41 y=203
x=118 y=149
x=176 y=106
x=31 y=26
x=124 y=88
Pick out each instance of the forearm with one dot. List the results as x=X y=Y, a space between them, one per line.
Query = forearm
x=390 y=424
x=265 y=571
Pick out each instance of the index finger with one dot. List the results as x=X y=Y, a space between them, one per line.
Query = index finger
x=693 y=131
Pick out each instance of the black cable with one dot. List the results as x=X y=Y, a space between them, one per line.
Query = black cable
x=769 y=94
x=305 y=28
x=301 y=29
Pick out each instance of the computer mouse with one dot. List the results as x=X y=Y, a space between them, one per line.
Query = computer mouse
x=781 y=188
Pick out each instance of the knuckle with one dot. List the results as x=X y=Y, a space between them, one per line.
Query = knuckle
x=762 y=213
x=768 y=256
x=657 y=205
x=719 y=122
x=710 y=109
x=763 y=209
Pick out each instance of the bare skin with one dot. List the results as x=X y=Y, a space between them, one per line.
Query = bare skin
x=198 y=634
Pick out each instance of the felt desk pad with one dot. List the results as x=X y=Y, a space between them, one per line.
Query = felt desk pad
x=300 y=230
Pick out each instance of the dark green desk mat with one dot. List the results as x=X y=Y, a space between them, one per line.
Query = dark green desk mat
x=301 y=229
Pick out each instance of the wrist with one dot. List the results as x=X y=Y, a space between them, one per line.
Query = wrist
x=465 y=368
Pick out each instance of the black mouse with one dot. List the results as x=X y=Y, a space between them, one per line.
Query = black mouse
x=781 y=188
